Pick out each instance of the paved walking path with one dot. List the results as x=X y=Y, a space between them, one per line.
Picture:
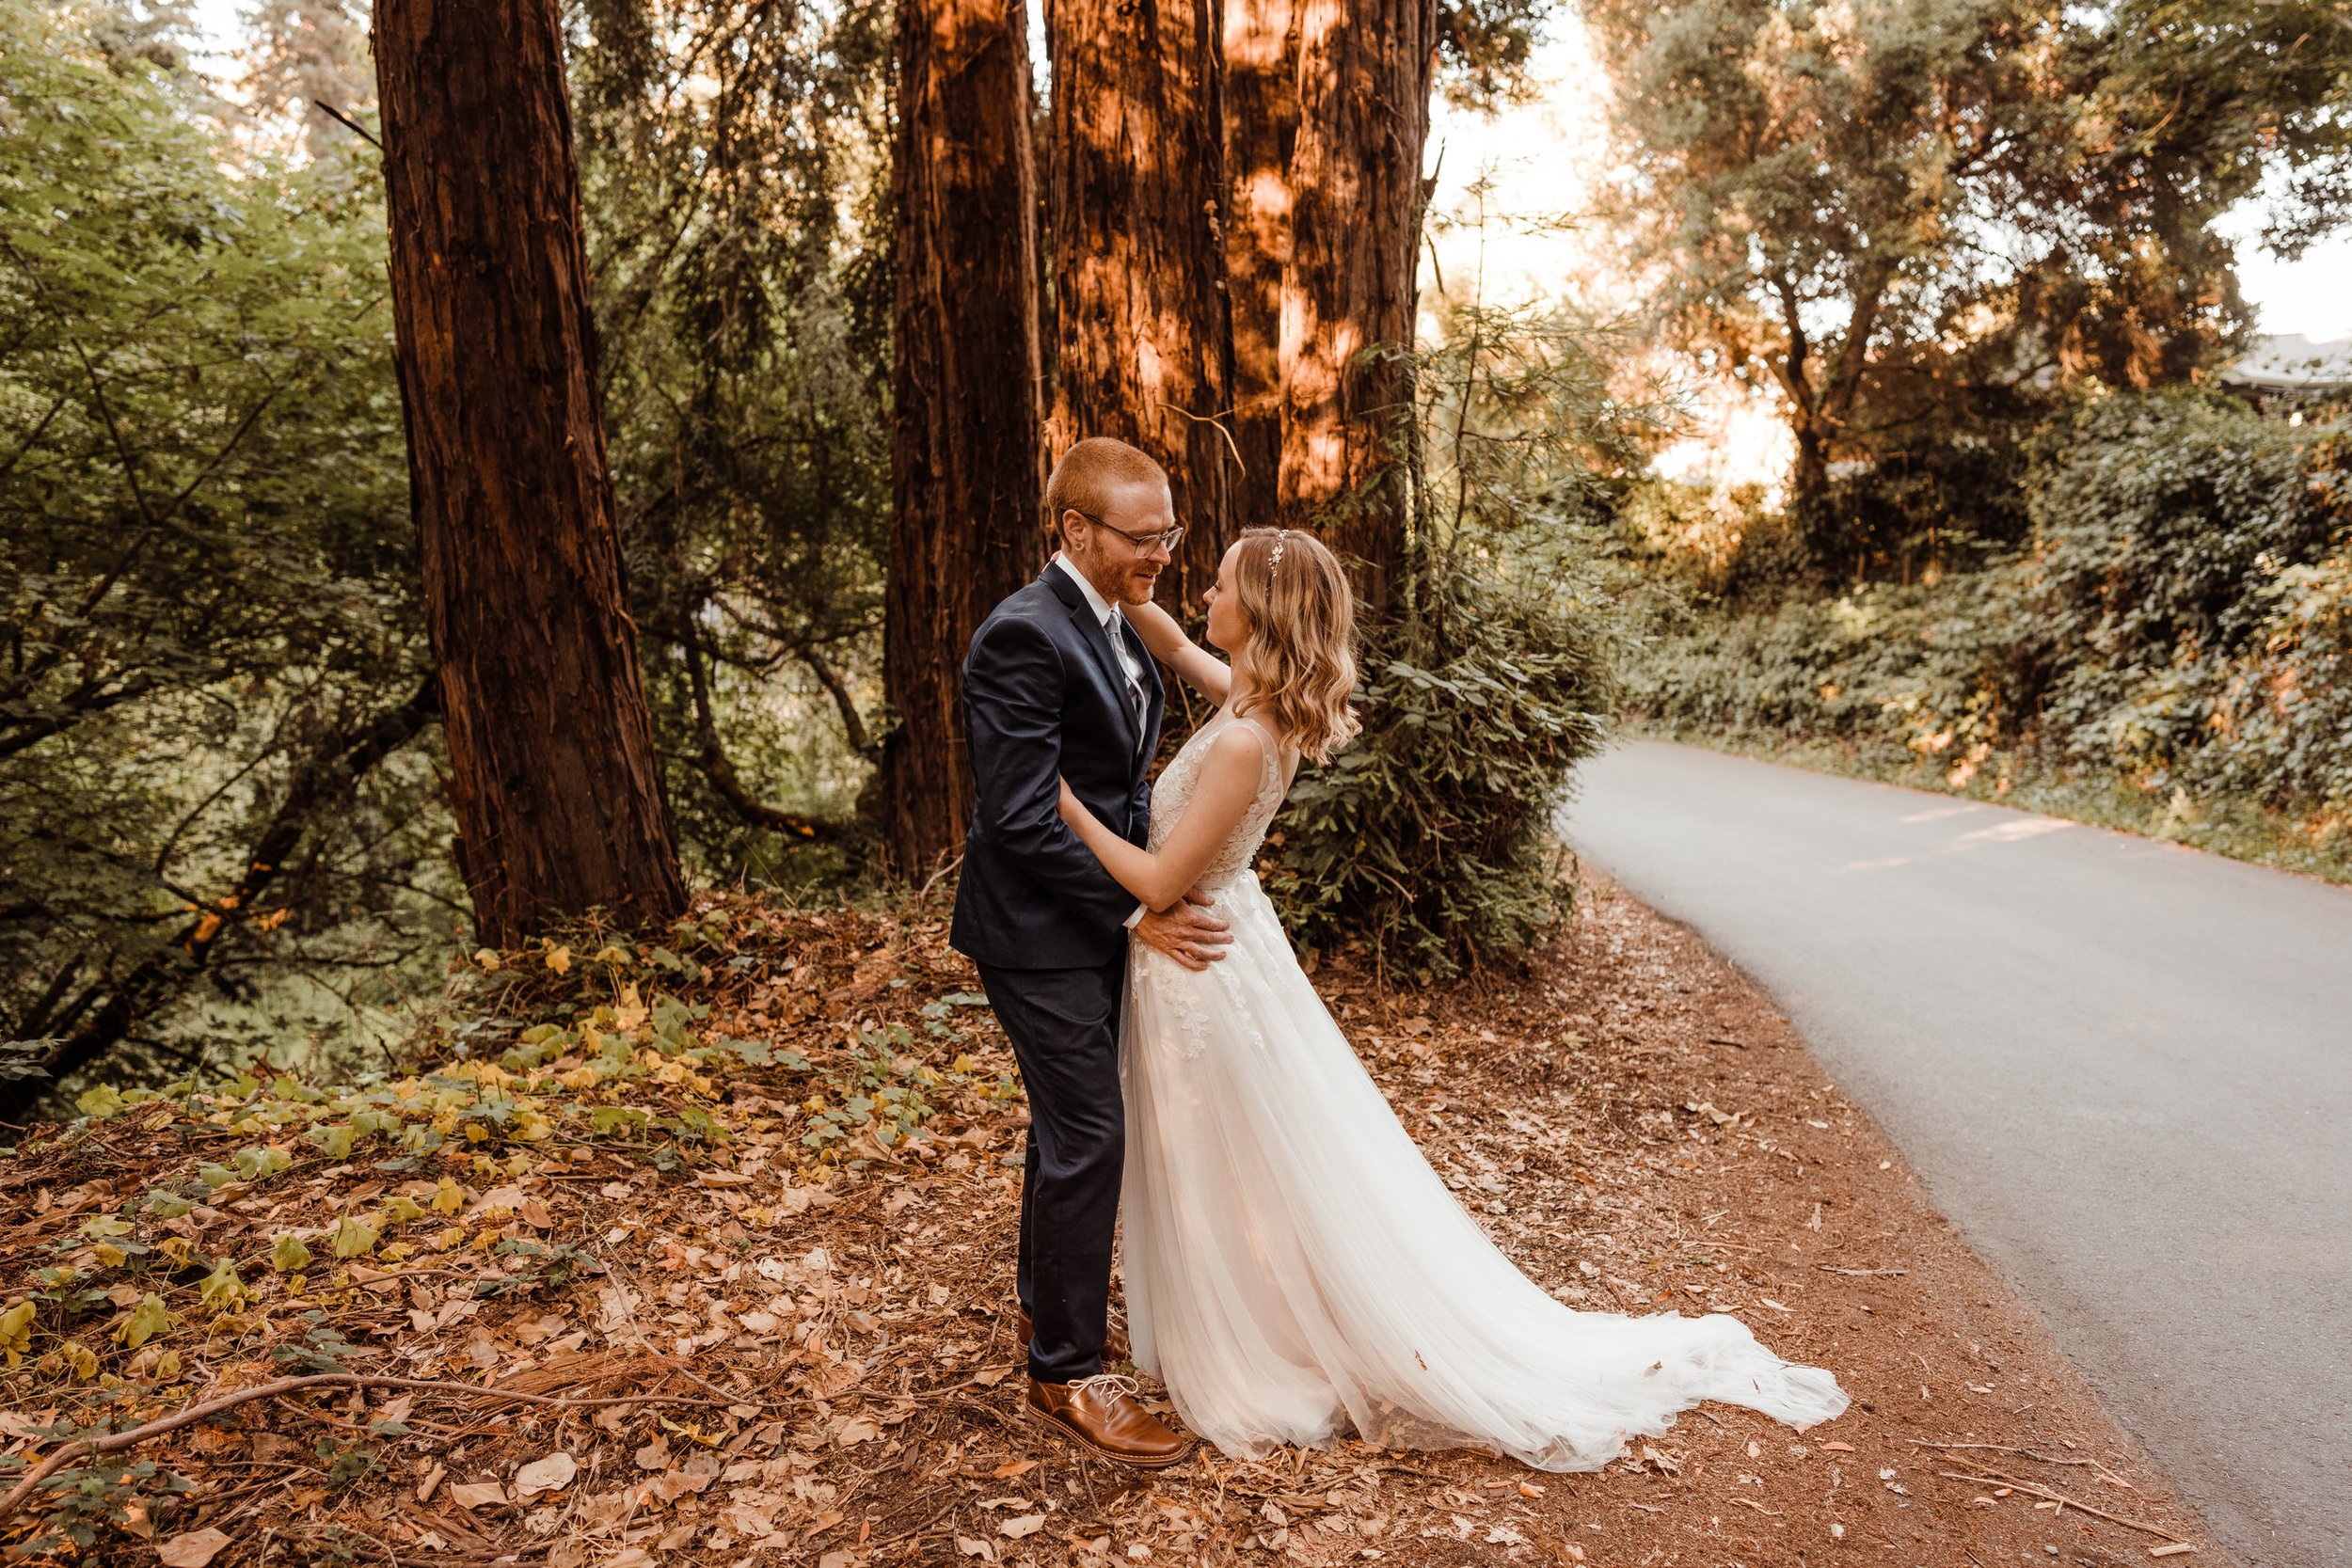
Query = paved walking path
x=2124 y=1068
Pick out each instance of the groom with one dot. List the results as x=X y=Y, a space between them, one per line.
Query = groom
x=1056 y=685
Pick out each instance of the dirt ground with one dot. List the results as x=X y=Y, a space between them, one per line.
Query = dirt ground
x=814 y=1362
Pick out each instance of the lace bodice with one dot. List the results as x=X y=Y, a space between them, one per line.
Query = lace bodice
x=1172 y=793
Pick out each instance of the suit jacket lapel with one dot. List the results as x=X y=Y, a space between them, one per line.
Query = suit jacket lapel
x=1098 y=641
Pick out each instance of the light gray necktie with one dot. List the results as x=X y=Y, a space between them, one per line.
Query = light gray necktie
x=1118 y=629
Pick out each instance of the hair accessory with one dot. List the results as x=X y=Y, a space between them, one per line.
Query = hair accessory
x=1274 y=563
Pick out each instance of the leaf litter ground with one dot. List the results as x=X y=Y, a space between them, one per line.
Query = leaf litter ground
x=735 y=1216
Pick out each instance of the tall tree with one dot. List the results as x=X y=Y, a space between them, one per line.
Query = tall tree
x=1917 y=222
x=311 y=53
x=553 y=771
x=966 y=455
x=1260 y=126
x=1143 y=329
x=1365 y=70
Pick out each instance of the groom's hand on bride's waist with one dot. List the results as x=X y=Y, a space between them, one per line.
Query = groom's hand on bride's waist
x=1189 y=931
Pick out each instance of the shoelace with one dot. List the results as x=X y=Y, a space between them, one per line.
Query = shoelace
x=1108 y=1385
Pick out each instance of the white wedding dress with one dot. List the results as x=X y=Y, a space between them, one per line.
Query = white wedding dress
x=1295 y=1270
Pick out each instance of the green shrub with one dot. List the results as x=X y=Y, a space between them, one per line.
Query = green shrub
x=2190 y=604
x=2172 y=651
x=1488 y=677
x=1429 y=837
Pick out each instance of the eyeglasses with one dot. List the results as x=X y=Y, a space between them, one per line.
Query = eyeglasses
x=1166 y=539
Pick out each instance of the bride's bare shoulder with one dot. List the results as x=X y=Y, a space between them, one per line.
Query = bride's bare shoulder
x=1240 y=744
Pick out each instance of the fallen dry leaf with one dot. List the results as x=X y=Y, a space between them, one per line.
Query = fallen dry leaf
x=192 y=1550
x=1028 y=1524
x=477 y=1494
x=551 y=1474
x=1013 y=1467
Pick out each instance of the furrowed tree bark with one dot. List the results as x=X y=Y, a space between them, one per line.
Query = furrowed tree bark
x=1261 y=128
x=1143 y=326
x=554 y=777
x=966 y=425
x=1365 y=69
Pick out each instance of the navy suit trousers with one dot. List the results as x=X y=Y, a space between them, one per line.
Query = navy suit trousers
x=1064 y=1028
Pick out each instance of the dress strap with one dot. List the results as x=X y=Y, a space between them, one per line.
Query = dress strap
x=1274 y=769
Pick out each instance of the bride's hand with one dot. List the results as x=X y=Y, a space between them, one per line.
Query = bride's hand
x=1070 y=808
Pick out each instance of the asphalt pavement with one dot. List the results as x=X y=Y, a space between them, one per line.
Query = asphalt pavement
x=2123 y=1067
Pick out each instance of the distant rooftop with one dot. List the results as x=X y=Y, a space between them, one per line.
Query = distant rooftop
x=2293 y=363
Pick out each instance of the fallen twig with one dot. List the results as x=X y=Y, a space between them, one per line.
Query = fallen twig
x=1858 y=1273
x=2064 y=1502
x=2110 y=1476
x=115 y=1442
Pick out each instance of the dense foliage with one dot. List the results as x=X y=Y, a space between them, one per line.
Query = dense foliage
x=1430 y=837
x=2171 y=650
x=1921 y=228
x=735 y=167
x=219 y=824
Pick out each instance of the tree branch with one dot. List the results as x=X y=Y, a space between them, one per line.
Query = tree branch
x=723 y=779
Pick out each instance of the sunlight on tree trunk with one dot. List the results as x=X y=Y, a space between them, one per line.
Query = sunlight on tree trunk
x=1364 y=73
x=1144 y=334
x=552 y=771
x=1260 y=126
x=966 y=457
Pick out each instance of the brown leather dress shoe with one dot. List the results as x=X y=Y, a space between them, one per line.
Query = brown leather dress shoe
x=1103 y=1414
x=1115 y=1346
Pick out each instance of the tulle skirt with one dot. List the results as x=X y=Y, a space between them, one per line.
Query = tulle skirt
x=1296 y=1273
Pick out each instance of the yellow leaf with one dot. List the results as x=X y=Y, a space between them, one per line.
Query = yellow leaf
x=147 y=1320
x=352 y=1238
x=16 y=1332
x=560 y=959
x=289 y=1256
x=79 y=1358
x=221 y=1289
x=447 y=1198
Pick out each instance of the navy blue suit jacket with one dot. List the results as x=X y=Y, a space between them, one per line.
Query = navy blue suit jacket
x=1044 y=699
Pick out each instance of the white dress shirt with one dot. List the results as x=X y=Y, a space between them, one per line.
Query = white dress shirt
x=1113 y=623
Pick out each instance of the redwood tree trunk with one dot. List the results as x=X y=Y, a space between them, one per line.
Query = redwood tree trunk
x=552 y=773
x=1365 y=76
x=968 y=484
x=1143 y=329
x=1260 y=126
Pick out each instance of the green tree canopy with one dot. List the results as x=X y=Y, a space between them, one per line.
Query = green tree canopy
x=211 y=674
x=1920 y=221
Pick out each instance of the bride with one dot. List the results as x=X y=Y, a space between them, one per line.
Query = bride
x=1295 y=1270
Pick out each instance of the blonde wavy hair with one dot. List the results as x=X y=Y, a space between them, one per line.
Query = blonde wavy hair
x=1300 y=658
